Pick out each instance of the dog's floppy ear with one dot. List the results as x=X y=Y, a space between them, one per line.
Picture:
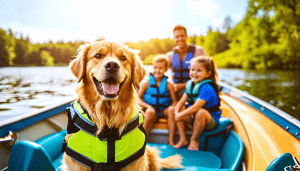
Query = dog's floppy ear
x=77 y=66
x=138 y=70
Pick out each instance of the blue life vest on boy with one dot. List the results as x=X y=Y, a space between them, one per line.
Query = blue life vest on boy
x=192 y=91
x=181 y=69
x=109 y=150
x=158 y=97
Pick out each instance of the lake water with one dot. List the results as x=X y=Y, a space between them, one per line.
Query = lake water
x=26 y=89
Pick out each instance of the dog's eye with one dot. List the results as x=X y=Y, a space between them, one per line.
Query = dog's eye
x=98 y=55
x=123 y=58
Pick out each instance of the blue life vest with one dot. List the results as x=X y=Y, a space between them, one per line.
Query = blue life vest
x=181 y=68
x=109 y=150
x=192 y=91
x=158 y=97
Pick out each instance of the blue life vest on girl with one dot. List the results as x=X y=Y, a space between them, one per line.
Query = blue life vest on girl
x=181 y=69
x=192 y=91
x=158 y=97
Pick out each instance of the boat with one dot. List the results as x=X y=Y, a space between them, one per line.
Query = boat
x=252 y=135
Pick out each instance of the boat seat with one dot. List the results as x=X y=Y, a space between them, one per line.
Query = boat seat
x=209 y=140
x=214 y=140
x=203 y=158
x=42 y=154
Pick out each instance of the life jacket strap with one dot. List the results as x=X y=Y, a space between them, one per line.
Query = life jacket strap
x=109 y=134
x=80 y=123
x=71 y=128
x=213 y=109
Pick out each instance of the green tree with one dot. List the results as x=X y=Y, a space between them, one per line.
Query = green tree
x=279 y=23
x=4 y=54
x=20 y=51
x=215 y=42
x=34 y=57
x=47 y=59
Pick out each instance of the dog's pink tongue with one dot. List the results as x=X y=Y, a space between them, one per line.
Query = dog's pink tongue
x=110 y=86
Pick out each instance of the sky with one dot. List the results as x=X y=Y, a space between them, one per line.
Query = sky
x=115 y=20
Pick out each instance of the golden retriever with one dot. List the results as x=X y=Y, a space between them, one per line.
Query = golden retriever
x=109 y=74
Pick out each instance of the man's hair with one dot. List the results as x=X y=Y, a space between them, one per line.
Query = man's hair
x=162 y=58
x=179 y=27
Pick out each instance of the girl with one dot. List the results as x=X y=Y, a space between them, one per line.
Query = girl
x=158 y=97
x=202 y=96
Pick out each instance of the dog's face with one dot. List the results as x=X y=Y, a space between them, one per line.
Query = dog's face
x=107 y=68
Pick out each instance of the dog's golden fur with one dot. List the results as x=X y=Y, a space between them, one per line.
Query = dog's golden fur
x=112 y=111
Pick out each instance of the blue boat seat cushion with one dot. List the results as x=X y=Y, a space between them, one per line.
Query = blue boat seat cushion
x=190 y=158
x=26 y=155
x=214 y=140
x=43 y=154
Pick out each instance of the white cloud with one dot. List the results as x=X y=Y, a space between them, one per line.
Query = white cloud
x=239 y=17
x=218 y=22
x=194 y=31
x=204 y=8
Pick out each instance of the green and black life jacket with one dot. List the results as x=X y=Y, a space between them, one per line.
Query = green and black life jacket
x=192 y=91
x=109 y=150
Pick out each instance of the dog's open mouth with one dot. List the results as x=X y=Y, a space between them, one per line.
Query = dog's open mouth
x=108 y=88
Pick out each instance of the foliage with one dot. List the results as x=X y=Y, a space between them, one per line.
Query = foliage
x=47 y=59
x=269 y=35
x=153 y=46
x=215 y=42
x=4 y=54
x=21 y=52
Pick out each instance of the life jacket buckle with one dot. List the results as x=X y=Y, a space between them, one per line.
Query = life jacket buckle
x=109 y=134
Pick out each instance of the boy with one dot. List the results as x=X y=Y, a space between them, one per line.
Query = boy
x=158 y=97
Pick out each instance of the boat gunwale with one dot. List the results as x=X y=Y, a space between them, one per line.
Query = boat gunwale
x=248 y=99
x=16 y=120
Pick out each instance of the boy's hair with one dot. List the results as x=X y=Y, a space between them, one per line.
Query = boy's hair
x=162 y=58
x=179 y=27
x=209 y=65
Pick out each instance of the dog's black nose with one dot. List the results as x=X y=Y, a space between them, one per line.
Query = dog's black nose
x=112 y=66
